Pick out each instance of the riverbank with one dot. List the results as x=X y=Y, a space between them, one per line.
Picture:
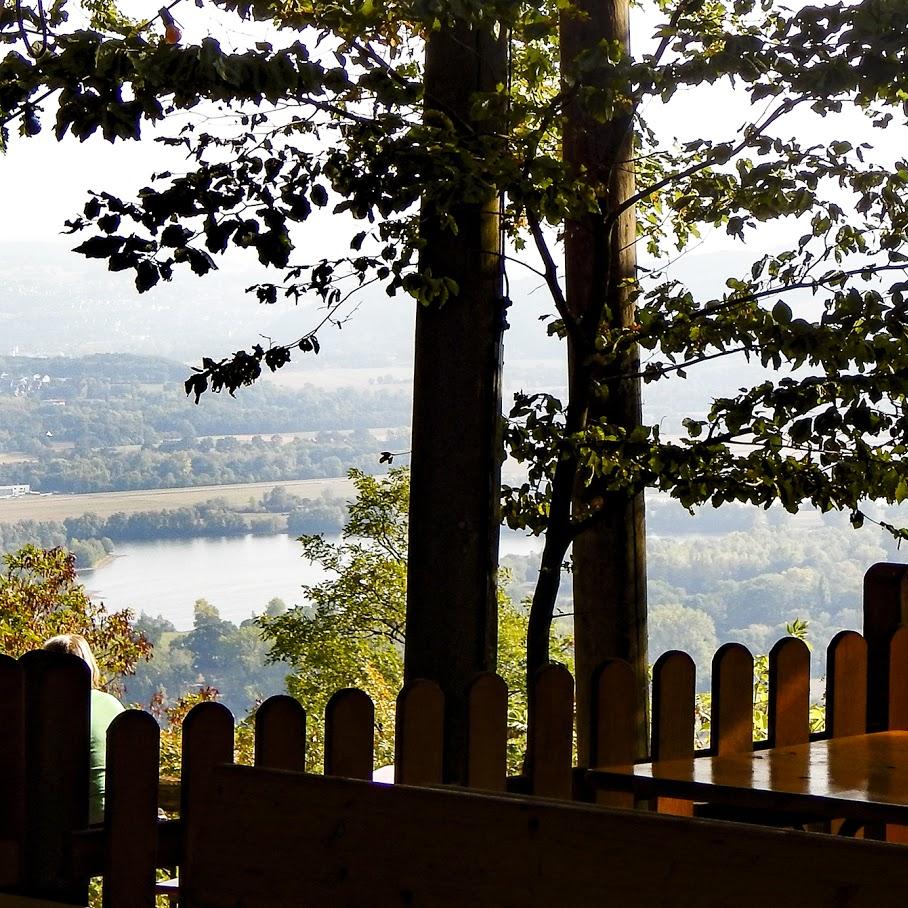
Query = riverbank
x=84 y=572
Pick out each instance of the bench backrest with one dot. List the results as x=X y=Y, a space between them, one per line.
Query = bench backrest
x=282 y=840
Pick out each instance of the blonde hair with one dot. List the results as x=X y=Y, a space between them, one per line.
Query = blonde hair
x=76 y=645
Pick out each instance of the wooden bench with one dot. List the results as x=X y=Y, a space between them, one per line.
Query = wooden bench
x=283 y=840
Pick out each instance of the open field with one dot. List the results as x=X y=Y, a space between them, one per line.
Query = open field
x=380 y=434
x=57 y=447
x=59 y=507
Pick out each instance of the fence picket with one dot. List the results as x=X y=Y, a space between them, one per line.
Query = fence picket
x=674 y=693
x=614 y=723
x=898 y=679
x=898 y=706
x=280 y=734
x=846 y=685
x=789 y=693
x=674 y=684
x=12 y=772
x=57 y=690
x=207 y=742
x=419 y=734
x=732 y=729
x=846 y=688
x=885 y=608
x=487 y=733
x=550 y=733
x=131 y=811
x=350 y=735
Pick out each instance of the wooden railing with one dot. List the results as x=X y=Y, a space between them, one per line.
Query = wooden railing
x=47 y=850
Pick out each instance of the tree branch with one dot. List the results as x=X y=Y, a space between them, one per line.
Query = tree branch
x=611 y=218
x=551 y=269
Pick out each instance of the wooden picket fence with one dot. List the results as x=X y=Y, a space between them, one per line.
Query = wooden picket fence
x=47 y=850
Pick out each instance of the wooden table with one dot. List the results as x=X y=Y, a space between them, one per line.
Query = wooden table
x=862 y=778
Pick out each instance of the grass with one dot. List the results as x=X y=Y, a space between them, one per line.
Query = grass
x=59 y=507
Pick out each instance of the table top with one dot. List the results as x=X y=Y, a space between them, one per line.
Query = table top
x=864 y=777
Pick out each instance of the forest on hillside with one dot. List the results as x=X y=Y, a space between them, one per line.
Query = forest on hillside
x=189 y=462
x=739 y=574
x=110 y=401
x=216 y=653
x=116 y=423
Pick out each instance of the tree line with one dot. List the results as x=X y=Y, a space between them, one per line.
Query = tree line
x=189 y=462
x=51 y=534
x=116 y=368
x=91 y=537
x=711 y=584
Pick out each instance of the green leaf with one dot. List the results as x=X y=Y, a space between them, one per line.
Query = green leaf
x=319 y=195
x=800 y=430
x=901 y=491
x=100 y=247
x=781 y=313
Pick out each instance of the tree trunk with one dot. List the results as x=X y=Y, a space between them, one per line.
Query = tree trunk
x=455 y=473
x=609 y=557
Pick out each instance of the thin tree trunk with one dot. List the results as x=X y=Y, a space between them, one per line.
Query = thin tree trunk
x=609 y=559
x=558 y=537
x=455 y=475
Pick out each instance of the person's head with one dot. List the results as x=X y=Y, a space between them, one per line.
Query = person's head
x=76 y=645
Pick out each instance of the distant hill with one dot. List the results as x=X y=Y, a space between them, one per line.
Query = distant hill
x=54 y=302
x=110 y=367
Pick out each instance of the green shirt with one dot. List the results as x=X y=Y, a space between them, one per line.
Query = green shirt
x=104 y=709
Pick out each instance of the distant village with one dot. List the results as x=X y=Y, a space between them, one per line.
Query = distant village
x=22 y=385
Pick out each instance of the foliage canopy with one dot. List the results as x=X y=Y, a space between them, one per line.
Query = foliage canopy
x=329 y=121
x=332 y=122
x=41 y=597
x=351 y=634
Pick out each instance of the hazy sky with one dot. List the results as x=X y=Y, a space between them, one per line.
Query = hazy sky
x=45 y=182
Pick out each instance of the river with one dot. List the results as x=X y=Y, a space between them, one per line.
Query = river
x=238 y=575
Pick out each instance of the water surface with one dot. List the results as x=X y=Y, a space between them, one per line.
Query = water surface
x=238 y=575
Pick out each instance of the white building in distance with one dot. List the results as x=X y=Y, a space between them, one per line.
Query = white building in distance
x=14 y=491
